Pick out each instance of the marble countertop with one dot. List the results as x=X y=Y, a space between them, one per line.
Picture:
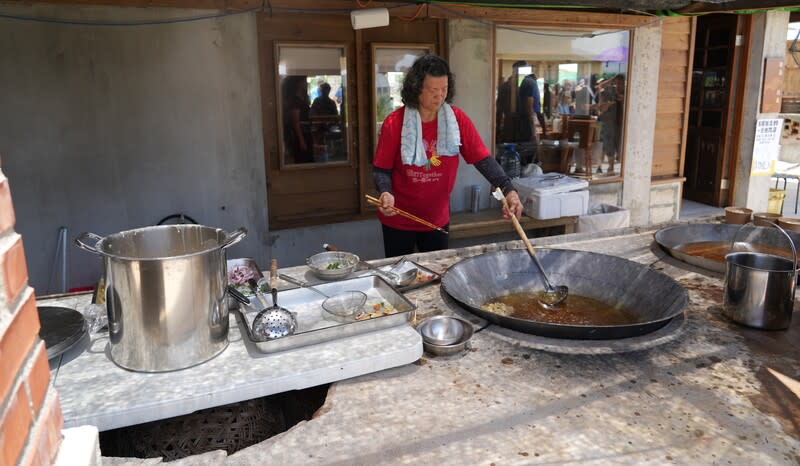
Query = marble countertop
x=701 y=390
x=95 y=391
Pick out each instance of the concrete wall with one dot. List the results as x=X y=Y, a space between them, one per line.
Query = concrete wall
x=641 y=94
x=104 y=129
x=470 y=56
x=665 y=202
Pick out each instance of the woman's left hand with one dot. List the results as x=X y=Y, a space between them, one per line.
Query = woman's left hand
x=514 y=205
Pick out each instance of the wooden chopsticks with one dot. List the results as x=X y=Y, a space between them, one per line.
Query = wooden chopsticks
x=374 y=201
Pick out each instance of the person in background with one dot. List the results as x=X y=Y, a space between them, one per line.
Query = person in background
x=583 y=98
x=296 y=120
x=566 y=97
x=609 y=114
x=417 y=156
x=547 y=101
x=324 y=105
x=530 y=109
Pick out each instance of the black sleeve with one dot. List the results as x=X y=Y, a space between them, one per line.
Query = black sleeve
x=383 y=179
x=494 y=174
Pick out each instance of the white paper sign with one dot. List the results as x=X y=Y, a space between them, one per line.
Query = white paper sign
x=766 y=147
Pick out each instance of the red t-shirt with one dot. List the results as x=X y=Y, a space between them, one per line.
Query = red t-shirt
x=424 y=191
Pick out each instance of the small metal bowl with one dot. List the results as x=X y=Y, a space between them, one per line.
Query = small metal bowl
x=453 y=348
x=319 y=263
x=441 y=330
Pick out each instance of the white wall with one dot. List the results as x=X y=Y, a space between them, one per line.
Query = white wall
x=105 y=129
x=470 y=56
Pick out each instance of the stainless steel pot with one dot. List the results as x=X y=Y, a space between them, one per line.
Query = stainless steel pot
x=165 y=294
x=760 y=288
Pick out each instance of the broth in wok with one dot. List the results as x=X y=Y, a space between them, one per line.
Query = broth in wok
x=716 y=250
x=576 y=310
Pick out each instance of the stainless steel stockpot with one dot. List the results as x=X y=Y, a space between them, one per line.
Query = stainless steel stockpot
x=165 y=294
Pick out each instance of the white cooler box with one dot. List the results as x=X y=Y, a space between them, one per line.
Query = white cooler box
x=552 y=196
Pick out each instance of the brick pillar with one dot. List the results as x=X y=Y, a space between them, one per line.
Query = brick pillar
x=30 y=414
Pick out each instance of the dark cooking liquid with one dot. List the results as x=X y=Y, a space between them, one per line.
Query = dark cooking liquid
x=716 y=250
x=576 y=310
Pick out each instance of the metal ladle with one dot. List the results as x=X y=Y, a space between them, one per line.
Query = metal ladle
x=344 y=306
x=553 y=296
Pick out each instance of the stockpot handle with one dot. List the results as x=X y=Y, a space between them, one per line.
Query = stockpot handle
x=791 y=243
x=80 y=241
x=234 y=237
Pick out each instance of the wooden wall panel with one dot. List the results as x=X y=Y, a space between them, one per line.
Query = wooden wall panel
x=677 y=42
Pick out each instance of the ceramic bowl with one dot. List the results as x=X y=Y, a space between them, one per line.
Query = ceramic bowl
x=763 y=219
x=737 y=215
x=789 y=223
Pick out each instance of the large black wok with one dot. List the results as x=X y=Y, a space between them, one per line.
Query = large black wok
x=672 y=238
x=653 y=296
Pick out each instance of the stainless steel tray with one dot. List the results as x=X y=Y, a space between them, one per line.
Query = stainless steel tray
x=230 y=263
x=312 y=325
x=401 y=266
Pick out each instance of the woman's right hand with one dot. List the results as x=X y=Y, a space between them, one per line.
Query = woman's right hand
x=387 y=204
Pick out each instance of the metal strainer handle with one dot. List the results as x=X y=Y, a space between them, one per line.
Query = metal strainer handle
x=301 y=284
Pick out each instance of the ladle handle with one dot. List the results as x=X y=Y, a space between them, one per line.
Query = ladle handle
x=273 y=280
x=528 y=244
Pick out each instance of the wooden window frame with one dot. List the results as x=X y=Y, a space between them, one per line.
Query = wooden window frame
x=352 y=158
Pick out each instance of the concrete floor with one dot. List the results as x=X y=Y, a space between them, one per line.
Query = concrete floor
x=694 y=210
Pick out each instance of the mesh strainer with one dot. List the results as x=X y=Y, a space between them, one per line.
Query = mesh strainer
x=343 y=306
x=275 y=321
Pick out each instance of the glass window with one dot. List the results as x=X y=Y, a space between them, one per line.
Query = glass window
x=311 y=103
x=391 y=63
x=564 y=110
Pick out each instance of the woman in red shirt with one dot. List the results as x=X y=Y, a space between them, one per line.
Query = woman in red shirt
x=416 y=160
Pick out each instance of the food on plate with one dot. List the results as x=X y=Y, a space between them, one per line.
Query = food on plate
x=424 y=277
x=245 y=290
x=376 y=309
x=241 y=274
x=334 y=266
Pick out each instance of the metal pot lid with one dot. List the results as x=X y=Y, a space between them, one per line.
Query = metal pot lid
x=654 y=297
x=61 y=328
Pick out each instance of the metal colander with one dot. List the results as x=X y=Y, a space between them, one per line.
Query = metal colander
x=345 y=305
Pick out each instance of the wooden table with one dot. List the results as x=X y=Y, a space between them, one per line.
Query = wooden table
x=491 y=222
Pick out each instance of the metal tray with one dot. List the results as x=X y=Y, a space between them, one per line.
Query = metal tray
x=312 y=325
x=230 y=263
x=402 y=265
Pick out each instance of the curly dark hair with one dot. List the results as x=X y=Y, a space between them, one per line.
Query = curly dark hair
x=426 y=65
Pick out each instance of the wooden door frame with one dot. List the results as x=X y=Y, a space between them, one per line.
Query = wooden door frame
x=738 y=123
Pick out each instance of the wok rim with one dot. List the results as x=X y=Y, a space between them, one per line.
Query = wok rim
x=597 y=332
